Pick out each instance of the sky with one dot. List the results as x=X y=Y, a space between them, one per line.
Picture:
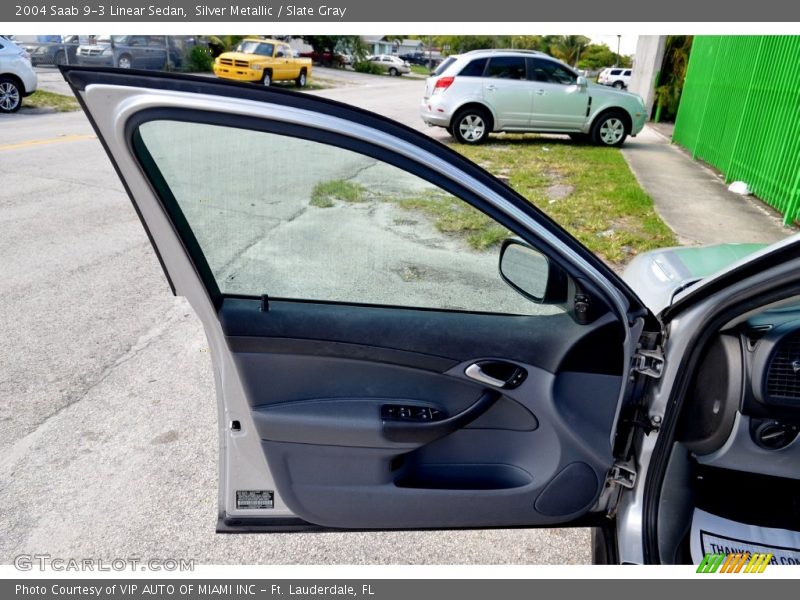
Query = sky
x=627 y=43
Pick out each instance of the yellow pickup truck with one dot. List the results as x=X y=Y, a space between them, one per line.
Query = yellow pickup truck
x=263 y=61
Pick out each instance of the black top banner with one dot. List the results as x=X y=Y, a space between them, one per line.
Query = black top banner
x=355 y=11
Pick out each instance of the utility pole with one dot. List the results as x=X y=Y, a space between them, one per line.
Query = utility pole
x=619 y=39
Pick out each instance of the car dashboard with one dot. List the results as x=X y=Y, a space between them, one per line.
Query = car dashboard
x=743 y=411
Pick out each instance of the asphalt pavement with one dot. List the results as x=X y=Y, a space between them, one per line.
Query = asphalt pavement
x=108 y=442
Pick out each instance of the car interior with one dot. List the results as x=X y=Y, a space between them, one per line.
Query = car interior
x=736 y=454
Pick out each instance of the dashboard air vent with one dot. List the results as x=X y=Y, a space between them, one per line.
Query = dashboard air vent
x=783 y=374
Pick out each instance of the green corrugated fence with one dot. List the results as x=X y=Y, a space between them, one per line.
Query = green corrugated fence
x=740 y=112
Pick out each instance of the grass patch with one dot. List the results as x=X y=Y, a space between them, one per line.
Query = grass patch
x=325 y=193
x=606 y=210
x=453 y=216
x=57 y=102
x=420 y=70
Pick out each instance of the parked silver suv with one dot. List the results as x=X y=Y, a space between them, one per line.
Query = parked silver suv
x=482 y=91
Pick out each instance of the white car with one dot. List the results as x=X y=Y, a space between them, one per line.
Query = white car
x=615 y=77
x=391 y=64
x=17 y=77
x=479 y=92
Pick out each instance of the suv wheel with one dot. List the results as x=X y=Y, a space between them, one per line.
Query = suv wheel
x=471 y=126
x=125 y=62
x=609 y=129
x=266 y=80
x=301 y=79
x=619 y=85
x=10 y=95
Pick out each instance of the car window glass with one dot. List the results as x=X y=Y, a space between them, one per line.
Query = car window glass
x=506 y=67
x=627 y=73
x=616 y=71
x=444 y=65
x=475 y=68
x=311 y=221
x=548 y=71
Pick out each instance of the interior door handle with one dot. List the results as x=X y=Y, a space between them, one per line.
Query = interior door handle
x=497 y=373
x=474 y=371
x=412 y=431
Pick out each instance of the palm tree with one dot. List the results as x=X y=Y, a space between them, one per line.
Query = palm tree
x=569 y=47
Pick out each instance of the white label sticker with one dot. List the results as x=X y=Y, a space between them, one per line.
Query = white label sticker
x=715 y=535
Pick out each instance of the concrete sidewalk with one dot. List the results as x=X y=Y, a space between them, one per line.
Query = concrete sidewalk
x=693 y=200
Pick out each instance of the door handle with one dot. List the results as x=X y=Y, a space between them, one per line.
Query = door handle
x=491 y=88
x=411 y=431
x=540 y=92
x=496 y=373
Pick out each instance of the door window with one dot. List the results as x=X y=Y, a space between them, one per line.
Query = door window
x=506 y=67
x=548 y=71
x=303 y=220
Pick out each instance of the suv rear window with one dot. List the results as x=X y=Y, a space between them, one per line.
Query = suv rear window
x=616 y=71
x=506 y=67
x=474 y=69
x=443 y=66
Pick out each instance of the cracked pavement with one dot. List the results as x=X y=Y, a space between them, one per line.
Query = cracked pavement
x=108 y=441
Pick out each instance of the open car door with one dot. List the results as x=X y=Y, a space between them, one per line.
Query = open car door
x=374 y=368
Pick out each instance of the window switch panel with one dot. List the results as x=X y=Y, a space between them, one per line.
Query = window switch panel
x=421 y=414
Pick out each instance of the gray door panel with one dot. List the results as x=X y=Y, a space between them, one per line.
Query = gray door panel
x=538 y=456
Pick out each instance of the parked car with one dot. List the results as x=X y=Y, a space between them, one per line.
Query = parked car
x=263 y=61
x=328 y=59
x=615 y=77
x=17 y=77
x=479 y=92
x=59 y=51
x=421 y=58
x=130 y=52
x=390 y=64
x=420 y=383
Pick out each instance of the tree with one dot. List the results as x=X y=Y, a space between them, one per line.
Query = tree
x=223 y=43
x=329 y=45
x=673 y=73
x=598 y=56
x=568 y=48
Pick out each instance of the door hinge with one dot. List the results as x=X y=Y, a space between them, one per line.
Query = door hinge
x=649 y=362
x=622 y=475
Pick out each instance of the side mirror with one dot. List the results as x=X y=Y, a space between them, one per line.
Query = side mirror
x=582 y=82
x=531 y=274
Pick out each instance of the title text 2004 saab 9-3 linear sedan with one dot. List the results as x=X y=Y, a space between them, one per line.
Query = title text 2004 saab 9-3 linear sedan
x=376 y=372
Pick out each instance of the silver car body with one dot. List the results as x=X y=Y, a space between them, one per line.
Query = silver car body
x=524 y=105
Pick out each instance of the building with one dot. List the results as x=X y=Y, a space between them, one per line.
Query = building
x=378 y=44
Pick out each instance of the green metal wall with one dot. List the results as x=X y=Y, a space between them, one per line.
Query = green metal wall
x=740 y=112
